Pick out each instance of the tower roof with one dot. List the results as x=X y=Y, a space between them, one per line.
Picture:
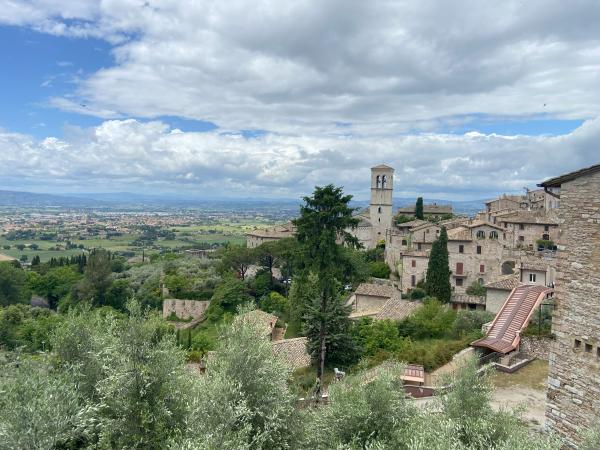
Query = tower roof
x=382 y=166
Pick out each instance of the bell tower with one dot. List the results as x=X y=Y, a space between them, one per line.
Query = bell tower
x=380 y=208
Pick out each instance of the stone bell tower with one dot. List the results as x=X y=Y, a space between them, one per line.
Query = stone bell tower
x=380 y=208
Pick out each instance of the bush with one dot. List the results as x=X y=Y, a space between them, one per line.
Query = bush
x=379 y=269
x=476 y=289
x=417 y=293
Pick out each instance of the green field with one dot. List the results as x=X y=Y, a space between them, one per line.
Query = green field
x=191 y=237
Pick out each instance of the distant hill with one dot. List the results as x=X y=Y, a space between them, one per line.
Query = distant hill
x=34 y=199
x=140 y=201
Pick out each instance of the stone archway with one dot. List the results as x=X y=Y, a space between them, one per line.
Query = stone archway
x=508 y=267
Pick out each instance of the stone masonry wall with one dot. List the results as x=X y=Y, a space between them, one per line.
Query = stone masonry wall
x=184 y=309
x=535 y=346
x=574 y=373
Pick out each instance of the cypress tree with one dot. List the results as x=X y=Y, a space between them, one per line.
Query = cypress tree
x=419 y=209
x=437 y=282
x=323 y=222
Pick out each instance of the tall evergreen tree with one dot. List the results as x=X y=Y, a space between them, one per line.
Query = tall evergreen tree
x=324 y=220
x=437 y=281
x=419 y=209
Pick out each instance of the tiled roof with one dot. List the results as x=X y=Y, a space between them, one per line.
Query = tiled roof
x=412 y=223
x=528 y=217
x=376 y=290
x=534 y=264
x=557 y=181
x=292 y=352
x=505 y=282
x=460 y=234
x=416 y=254
x=480 y=223
x=397 y=309
x=382 y=166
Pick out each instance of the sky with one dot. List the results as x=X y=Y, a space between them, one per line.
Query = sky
x=208 y=98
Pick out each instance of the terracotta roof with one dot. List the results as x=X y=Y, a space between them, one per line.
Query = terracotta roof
x=375 y=290
x=460 y=234
x=534 y=264
x=528 y=217
x=425 y=225
x=292 y=352
x=480 y=223
x=504 y=283
x=504 y=333
x=397 y=309
x=412 y=223
x=382 y=166
x=557 y=181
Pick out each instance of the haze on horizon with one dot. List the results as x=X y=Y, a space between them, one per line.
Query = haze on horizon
x=206 y=98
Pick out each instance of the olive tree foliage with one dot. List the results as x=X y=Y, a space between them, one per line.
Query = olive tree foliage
x=131 y=374
x=39 y=407
x=362 y=412
x=243 y=401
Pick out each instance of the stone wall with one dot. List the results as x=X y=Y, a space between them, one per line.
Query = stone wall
x=536 y=346
x=574 y=369
x=184 y=309
x=495 y=299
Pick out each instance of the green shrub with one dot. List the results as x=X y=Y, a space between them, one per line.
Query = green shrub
x=476 y=288
x=417 y=293
x=379 y=269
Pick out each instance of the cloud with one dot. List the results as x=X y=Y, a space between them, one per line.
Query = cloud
x=151 y=157
x=379 y=66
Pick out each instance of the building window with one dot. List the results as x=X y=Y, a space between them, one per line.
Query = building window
x=481 y=234
x=461 y=248
x=521 y=238
x=481 y=268
x=378 y=182
x=459 y=268
x=404 y=242
x=521 y=226
x=598 y=352
x=384 y=182
x=532 y=277
x=577 y=343
x=480 y=281
x=546 y=237
x=413 y=280
x=493 y=235
x=459 y=281
x=504 y=236
x=418 y=246
x=588 y=348
x=546 y=227
x=379 y=209
x=413 y=263
x=479 y=249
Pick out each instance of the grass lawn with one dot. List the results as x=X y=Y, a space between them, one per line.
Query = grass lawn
x=533 y=375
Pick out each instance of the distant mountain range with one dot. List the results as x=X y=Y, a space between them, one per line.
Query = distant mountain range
x=139 y=201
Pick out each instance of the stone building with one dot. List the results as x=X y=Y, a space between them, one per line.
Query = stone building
x=524 y=228
x=380 y=206
x=259 y=236
x=498 y=290
x=573 y=396
x=431 y=210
